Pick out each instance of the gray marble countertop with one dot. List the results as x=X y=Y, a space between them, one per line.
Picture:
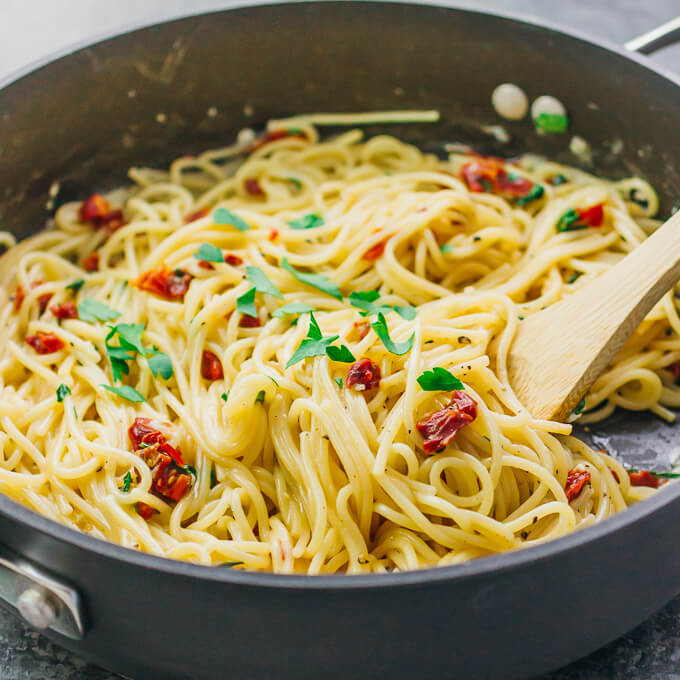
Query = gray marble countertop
x=30 y=30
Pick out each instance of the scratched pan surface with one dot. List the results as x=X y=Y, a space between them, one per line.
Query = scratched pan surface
x=83 y=119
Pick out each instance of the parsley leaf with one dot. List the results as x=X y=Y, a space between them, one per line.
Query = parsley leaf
x=190 y=470
x=207 y=252
x=367 y=295
x=338 y=382
x=159 y=362
x=551 y=122
x=260 y=397
x=224 y=216
x=76 y=285
x=310 y=221
x=63 y=391
x=536 y=192
x=313 y=345
x=578 y=409
x=127 y=482
x=405 y=312
x=318 y=281
x=245 y=304
x=446 y=248
x=341 y=353
x=261 y=282
x=130 y=336
x=364 y=300
x=224 y=396
x=126 y=392
x=382 y=331
x=92 y=310
x=439 y=379
x=569 y=221
x=229 y=565
x=292 y=308
x=574 y=276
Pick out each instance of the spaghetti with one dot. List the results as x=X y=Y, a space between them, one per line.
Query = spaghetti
x=290 y=355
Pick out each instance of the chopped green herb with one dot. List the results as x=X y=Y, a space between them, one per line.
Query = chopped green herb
x=224 y=216
x=439 y=379
x=364 y=295
x=127 y=482
x=446 y=248
x=76 y=285
x=63 y=391
x=190 y=470
x=579 y=407
x=207 y=252
x=382 y=331
x=224 y=396
x=160 y=363
x=261 y=282
x=557 y=180
x=405 y=312
x=295 y=182
x=260 y=397
x=574 y=276
x=92 y=310
x=521 y=318
x=666 y=475
x=292 y=308
x=551 y=122
x=341 y=354
x=338 y=382
x=536 y=192
x=229 y=565
x=272 y=379
x=310 y=221
x=569 y=221
x=318 y=281
x=313 y=345
x=129 y=335
x=126 y=392
x=245 y=304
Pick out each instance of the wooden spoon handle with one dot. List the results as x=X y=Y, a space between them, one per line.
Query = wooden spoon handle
x=558 y=353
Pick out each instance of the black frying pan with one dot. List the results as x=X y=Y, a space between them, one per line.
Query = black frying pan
x=75 y=120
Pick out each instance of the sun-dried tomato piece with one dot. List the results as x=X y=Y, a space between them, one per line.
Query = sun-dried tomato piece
x=233 y=260
x=211 y=366
x=593 y=216
x=197 y=215
x=65 y=310
x=576 y=480
x=113 y=220
x=253 y=187
x=204 y=264
x=247 y=321
x=490 y=175
x=144 y=511
x=93 y=208
x=363 y=375
x=375 y=252
x=142 y=432
x=91 y=262
x=45 y=343
x=273 y=234
x=440 y=427
x=171 y=482
x=170 y=284
x=19 y=297
x=645 y=478
x=674 y=368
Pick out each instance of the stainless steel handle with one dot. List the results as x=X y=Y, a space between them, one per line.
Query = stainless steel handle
x=653 y=40
x=43 y=601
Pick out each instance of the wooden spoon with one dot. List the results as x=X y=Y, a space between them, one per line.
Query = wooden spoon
x=559 y=352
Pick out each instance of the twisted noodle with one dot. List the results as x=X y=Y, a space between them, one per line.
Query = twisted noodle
x=312 y=476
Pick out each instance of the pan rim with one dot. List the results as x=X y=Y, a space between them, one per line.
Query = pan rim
x=497 y=564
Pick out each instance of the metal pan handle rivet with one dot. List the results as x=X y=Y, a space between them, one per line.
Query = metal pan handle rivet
x=37 y=608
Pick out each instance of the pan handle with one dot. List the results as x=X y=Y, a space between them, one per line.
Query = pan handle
x=42 y=600
x=653 y=40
